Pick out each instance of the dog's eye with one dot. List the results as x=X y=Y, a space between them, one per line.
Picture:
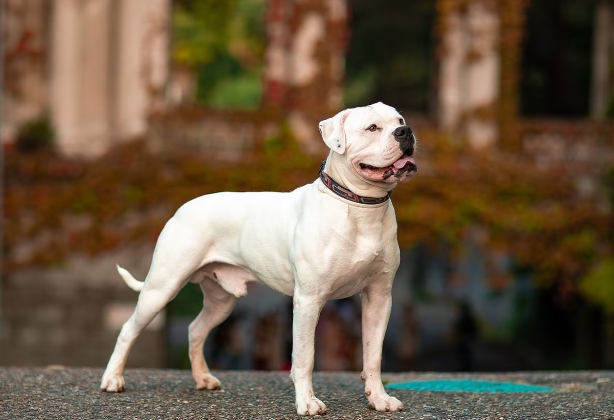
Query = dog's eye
x=372 y=127
x=401 y=121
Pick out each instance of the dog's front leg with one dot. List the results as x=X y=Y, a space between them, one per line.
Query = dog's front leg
x=306 y=313
x=376 y=304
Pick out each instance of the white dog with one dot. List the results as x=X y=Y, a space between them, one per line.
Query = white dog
x=327 y=240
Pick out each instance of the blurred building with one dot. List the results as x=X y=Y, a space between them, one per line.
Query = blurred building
x=102 y=71
x=97 y=68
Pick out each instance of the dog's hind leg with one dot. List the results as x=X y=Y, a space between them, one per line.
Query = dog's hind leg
x=217 y=305
x=151 y=302
x=173 y=264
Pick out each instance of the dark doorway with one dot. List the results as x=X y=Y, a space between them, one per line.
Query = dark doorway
x=557 y=56
x=391 y=54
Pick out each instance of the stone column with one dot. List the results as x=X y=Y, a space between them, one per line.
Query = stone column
x=65 y=70
x=470 y=70
x=451 y=94
x=483 y=74
x=109 y=69
x=80 y=75
x=94 y=79
x=603 y=58
x=141 y=68
x=275 y=78
x=24 y=94
x=304 y=64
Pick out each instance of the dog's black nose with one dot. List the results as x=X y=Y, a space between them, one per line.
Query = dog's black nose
x=401 y=132
x=406 y=139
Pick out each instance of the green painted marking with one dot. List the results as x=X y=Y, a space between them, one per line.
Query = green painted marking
x=467 y=385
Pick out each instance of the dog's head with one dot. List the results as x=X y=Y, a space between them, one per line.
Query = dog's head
x=377 y=144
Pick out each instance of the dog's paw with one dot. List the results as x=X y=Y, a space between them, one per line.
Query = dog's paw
x=207 y=381
x=310 y=406
x=112 y=384
x=384 y=402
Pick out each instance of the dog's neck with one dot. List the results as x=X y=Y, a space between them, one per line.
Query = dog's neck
x=337 y=168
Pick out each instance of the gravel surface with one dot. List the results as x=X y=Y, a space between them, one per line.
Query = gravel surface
x=72 y=393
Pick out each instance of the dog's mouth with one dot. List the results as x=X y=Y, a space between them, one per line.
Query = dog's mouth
x=402 y=166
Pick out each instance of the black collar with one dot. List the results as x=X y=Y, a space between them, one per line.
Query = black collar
x=343 y=192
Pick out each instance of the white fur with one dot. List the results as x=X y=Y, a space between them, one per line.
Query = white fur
x=308 y=243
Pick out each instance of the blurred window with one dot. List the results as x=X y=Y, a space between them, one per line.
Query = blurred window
x=391 y=54
x=557 y=57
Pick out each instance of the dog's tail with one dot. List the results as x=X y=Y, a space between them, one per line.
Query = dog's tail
x=132 y=283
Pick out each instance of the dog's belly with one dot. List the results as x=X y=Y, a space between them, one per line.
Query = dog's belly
x=234 y=279
x=279 y=276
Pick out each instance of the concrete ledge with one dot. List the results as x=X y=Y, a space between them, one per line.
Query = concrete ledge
x=72 y=393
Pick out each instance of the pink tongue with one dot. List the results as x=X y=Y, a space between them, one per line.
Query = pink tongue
x=399 y=164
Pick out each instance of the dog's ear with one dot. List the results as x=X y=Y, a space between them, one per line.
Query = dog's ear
x=333 y=133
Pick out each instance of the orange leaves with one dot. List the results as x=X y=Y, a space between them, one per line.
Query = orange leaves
x=535 y=214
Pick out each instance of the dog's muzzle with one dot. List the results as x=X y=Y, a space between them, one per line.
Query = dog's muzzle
x=406 y=139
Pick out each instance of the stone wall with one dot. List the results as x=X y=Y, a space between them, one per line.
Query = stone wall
x=72 y=315
x=215 y=133
x=583 y=145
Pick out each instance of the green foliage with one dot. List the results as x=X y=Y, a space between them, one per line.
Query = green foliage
x=227 y=85
x=85 y=203
x=358 y=89
x=283 y=143
x=273 y=145
x=35 y=135
x=598 y=284
x=188 y=302
x=223 y=42
x=200 y=30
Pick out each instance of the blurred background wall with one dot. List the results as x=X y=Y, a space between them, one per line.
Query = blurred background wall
x=95 y=68
x=114 y=113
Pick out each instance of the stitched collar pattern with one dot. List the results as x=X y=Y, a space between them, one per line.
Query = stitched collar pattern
x=343 y=192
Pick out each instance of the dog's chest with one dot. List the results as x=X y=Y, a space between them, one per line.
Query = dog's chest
x=356 y=268
x=357 y=249
x=367 y=244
